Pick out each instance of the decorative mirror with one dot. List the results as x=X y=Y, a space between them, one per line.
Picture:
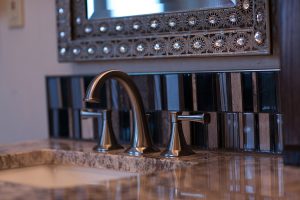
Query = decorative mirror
x=119 y=29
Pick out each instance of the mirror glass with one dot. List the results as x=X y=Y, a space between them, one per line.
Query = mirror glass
x=98 y=9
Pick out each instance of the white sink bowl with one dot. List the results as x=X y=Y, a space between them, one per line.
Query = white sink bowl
x=60 y=176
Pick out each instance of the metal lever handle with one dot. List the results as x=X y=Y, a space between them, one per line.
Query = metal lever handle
x=107 y=139
x=87 y=114
x=201 y=118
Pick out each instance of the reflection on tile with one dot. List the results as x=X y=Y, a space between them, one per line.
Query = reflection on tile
x=250 y=131
x=77 y=91
x=277 y=132
x=264 y=132
x=174 y=92
x=223 y=92
x=213 y=132
x=230 y=131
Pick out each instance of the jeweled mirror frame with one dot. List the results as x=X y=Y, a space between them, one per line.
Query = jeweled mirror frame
x=240 y=30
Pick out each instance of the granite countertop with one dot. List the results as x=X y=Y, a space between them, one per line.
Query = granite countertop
x=205 y=175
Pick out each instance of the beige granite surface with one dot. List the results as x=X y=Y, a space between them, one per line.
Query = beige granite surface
x=205 y=175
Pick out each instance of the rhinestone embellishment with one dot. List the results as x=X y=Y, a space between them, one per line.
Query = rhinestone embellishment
x=119 y=27
x=136 y=25
x=76 y=51
x=103 y=28
x=106 y=50
x=157 y=47
x=233 y=18
x=61 y=11
x=258 y=37
x=241 y=41
x=197 y=45
x=62 y=51
x=213 y=19
x=246 y=4
x=192 y=21
x=123 y=49
x=259 y=17
x=140 y=48
x=219 y=43
x=176 y=46
x=172 y=23
x=62 y=34
x=88 y=29
x=78 y=20
x=91 y=50
x=154 y=24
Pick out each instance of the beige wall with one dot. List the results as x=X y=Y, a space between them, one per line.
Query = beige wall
x=27 y=55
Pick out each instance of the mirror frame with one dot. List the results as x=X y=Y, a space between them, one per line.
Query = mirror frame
x=240 y=30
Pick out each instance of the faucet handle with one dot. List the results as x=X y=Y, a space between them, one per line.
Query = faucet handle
x=87 y=113
x=177 y=144
x=107 y=139
x=203 y=118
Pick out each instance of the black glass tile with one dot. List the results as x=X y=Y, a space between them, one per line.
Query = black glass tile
x=76 y=124
x=267 y=84
x=247 y=90
x=187 y=92
x=124 y=127
x=206 y=92
x=276 y=133
x=66 y=92
x=199 y=135
x=145 y=85
x=158 y=92
x=59 y=123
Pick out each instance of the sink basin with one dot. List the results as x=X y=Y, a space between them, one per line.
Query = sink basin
x=60 y=176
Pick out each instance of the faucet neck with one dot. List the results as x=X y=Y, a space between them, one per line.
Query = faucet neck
x=141 y=141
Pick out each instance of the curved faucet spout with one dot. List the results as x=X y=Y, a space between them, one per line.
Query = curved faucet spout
x=141 y=141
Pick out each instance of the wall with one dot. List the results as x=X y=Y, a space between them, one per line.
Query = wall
x=27 y=55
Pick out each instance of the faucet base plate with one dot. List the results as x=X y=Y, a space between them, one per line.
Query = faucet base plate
x=138 y=151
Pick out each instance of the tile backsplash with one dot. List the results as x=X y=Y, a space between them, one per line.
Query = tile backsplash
x=244 y=108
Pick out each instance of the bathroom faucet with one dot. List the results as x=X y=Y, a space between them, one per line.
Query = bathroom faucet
x=141 y=141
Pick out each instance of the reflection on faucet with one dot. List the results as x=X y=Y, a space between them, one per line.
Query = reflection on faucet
x=141 y=141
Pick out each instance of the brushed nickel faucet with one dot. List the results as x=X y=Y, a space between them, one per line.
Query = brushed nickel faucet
x=141 y=142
